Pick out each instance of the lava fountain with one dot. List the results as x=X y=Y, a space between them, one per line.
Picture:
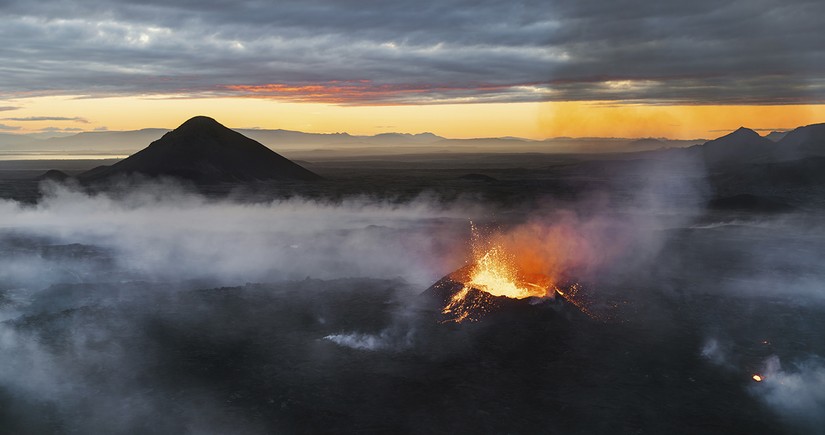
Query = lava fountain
x=493 y=280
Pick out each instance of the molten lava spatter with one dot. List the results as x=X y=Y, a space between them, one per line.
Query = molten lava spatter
x=490 y=281
x=757 y=378
x=494 y=272
x=570 y=293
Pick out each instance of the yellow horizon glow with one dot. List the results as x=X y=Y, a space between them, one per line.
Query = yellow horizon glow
x=538 y=120
x=610 y=119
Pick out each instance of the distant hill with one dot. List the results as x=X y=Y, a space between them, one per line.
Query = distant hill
x=203 y=150
x=14 y=140
x=103 y=142
x=647 y=143
x=807 y=141
x=54 y=175
x=741 y=146
x=745 y=146
x=125 y=142
x=292 y=138
x=776 y=136
x=407 y=137
x=280 y=137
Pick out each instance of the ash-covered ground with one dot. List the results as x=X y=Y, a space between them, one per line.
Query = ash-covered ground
x=156 y=307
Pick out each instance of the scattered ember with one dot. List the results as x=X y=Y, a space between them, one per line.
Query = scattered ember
x=757 y=378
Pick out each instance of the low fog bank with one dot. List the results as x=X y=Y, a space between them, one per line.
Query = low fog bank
x=158 y=309
x=162 y=232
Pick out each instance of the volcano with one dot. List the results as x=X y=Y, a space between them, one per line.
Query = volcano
x=494 y=283
x=461 y=298
x=202 y=150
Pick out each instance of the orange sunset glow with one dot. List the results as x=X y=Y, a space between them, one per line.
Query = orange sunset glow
x=533 y=120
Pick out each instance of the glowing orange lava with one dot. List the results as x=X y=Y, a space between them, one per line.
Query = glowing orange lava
x=757 y=378
x=493 y=272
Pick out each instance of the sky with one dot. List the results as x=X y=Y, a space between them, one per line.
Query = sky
x=458 y=68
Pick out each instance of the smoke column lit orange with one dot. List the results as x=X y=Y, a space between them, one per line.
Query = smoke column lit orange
x=561 y=246
x=494 y=272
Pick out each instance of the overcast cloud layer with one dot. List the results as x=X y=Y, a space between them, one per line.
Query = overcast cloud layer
x=392 y=52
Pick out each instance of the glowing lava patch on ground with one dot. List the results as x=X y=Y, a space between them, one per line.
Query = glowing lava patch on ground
x=757 y=378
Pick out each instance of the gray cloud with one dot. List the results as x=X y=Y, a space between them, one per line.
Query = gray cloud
x=7 y=108
x=8 y=127
x=369 y=52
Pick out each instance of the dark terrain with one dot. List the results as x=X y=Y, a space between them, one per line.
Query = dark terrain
x=327 y=331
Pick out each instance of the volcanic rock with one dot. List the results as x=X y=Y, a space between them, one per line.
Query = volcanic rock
x=203 y=150
x=477 y=304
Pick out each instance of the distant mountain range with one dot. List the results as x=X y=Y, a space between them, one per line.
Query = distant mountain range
x=745 y=146
x=10 y=141
x=131 y=141
x=296 y=144
x=741 y=146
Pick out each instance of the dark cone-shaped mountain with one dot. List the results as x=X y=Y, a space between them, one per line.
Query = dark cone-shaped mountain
x=203 y=150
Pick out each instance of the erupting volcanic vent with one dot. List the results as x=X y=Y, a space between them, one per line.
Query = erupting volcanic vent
x=493 y=282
